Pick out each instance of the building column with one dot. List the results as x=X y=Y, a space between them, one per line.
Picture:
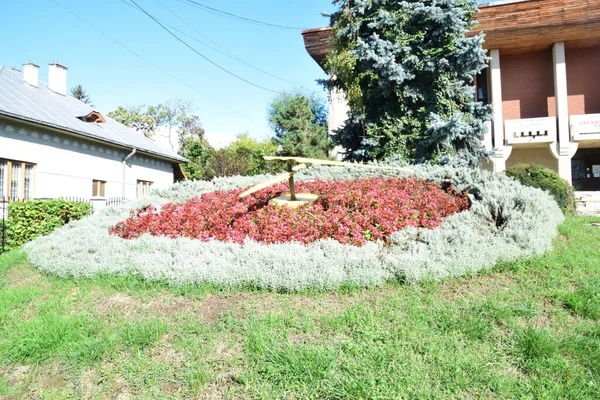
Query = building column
x=564 y=149
x=338 y=114
x=501 y=152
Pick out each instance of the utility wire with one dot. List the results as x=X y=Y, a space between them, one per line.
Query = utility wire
x=200 y=54
x=238 y=17
x=218 y=48
x=150 y=62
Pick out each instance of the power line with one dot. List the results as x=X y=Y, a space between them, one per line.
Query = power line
x=238 y=17
x=150 y=62
x=200 y=54
x=220 y=49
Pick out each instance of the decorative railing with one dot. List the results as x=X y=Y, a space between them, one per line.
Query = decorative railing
x=530 y=130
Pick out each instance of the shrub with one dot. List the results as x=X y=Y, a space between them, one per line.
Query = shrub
x=354 y=212
x=30 y=219
x=507 y=222
x=537 y=176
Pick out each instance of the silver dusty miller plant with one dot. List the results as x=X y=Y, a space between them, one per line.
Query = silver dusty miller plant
x=508 y=221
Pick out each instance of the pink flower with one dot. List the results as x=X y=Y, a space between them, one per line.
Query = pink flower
x=348 y=211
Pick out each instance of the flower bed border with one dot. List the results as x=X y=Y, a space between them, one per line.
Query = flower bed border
x=508 y=221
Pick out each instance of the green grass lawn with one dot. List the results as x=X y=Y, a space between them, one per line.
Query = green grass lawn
x=524 y=330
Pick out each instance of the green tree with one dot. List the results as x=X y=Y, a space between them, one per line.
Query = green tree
x=244 y=156
x=193 y=145
x=407 y=69
x=141 y=118
x=199 y=152
x=80 y=94
x=300 y=125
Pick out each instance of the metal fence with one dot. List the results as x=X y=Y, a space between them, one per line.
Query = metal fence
x=97 y=204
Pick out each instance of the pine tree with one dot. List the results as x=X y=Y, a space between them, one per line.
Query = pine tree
x=300 y=125
x=80 y=94
x=407 y=68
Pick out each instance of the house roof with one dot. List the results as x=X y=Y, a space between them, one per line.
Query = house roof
x=42 y=106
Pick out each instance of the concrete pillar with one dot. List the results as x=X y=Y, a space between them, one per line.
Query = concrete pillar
x=561 y=99
x=501 y=151
x=565 y=149
x=496 y=89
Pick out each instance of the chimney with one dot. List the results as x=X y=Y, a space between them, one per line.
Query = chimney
x=57 y=78
x=31 y=73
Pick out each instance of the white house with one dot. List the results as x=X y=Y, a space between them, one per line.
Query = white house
x=53 y=145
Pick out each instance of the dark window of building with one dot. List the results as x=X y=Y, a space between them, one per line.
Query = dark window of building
x=481 y=86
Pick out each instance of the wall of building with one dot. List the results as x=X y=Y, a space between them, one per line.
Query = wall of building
x=67 y=165
x=583 y=80
x=527 y=85
x=338 y=110
x=537 y=155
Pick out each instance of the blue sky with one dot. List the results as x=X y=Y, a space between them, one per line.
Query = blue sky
x=42 y=31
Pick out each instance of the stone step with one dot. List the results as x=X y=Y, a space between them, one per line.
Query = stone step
x=586 y=206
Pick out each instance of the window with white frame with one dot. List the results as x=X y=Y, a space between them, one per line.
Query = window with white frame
x=16 y=180
x=143 y=188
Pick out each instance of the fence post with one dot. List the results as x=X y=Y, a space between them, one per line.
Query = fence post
x=3 y=206
x=98 y=203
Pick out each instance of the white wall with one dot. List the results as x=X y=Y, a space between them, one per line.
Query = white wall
x=338 y=110
x=66 y=165
x=541 y=156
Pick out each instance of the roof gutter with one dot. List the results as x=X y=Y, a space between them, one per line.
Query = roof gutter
x=133 y=151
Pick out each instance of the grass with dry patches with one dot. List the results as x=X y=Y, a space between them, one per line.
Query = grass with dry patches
x=524 y=330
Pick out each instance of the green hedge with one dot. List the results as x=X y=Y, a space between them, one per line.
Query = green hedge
x=30 y=219
x=537 y=176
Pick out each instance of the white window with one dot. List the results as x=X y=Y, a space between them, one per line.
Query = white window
x=16 y=180
x=143 y=188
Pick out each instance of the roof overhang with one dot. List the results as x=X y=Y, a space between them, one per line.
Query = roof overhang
x=72 y=132
x=514 y=27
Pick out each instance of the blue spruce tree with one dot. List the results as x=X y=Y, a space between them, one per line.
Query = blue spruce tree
x=407 y=68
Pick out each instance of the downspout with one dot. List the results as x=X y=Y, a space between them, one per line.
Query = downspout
x=124 y=166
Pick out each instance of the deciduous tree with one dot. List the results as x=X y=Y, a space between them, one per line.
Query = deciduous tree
x=140 y=118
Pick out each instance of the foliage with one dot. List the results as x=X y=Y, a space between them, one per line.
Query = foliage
x=407 y=70
x=508 y=222
x=140 y=118
x=181 y=113
x=30 y=219
x=351 y=212
x=300 y=125
x=585 y=300
x=495 y=335
x=243 y=157
x=80 y=94
x=538 y=176
x=192 y=144
x=198 y=151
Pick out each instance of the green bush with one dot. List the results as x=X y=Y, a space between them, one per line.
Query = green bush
x=30 y=219
x=537 y=176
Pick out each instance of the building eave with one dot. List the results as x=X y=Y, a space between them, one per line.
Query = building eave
x=69 y=131
x=512 y=26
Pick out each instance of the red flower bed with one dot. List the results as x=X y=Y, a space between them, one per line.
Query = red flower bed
x=348 y=211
